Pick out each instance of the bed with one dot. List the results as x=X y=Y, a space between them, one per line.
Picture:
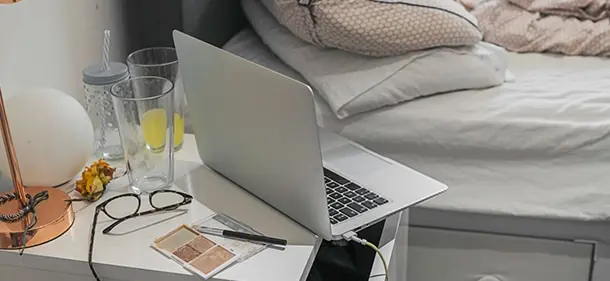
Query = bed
x=524 y=160
x=527 y=159
x=525 y=163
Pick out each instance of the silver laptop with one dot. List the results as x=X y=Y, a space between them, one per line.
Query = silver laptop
x=258 y=128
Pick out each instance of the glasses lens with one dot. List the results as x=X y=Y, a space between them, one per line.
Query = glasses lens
x=163 y=199
x=122 y=207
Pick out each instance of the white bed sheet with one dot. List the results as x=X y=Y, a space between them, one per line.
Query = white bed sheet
x=537 y=147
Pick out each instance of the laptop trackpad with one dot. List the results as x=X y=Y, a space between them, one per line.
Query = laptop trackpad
x=354 y=161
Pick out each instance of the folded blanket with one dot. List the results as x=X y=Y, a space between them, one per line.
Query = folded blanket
x=554 y=26
x=352 y=83
x=594 y=10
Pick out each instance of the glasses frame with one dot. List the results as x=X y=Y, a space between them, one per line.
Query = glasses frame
x=101 y=208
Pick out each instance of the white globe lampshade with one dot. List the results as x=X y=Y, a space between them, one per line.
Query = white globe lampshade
x=52 y=135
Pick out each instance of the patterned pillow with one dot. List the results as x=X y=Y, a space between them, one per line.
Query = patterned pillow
x=378 y=27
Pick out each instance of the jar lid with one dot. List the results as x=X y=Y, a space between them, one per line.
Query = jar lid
x=96 y=75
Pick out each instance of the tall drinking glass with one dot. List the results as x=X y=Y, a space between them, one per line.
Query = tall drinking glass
x=162 y=62
x=145 y=113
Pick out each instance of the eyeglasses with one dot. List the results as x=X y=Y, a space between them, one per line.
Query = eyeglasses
x=126 y=206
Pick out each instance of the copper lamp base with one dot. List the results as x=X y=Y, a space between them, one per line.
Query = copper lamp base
x=55 y=217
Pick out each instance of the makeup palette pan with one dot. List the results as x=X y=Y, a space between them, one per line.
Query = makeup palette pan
x=194 y=251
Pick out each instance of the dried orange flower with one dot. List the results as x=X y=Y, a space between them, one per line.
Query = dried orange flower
x=94 y=180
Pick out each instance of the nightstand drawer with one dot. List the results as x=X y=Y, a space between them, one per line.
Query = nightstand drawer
x=442 y=255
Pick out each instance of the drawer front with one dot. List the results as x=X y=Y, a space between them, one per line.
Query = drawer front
x=448 y=255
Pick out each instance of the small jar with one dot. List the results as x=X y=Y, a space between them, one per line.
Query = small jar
x=97 y=82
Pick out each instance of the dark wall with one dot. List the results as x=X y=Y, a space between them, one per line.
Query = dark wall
x=150 y=23
x=214 y=21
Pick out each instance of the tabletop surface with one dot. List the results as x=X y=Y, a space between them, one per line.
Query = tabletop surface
x=127 y=255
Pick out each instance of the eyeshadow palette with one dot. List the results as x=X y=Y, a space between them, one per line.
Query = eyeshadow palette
x=205 y=254
x=194 y=251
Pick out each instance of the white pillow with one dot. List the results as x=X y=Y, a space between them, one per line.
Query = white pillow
x=352 y=83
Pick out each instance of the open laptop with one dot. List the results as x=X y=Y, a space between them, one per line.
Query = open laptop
x=258 y=128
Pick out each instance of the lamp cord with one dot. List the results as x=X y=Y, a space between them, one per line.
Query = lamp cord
x=22 y=213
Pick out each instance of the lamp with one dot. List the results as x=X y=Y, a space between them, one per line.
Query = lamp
x=52 y=135
x=29 y=216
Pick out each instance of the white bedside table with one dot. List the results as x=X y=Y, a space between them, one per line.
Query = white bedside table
x=126 y=256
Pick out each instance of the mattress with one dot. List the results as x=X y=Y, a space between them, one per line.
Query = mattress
x=535 y=148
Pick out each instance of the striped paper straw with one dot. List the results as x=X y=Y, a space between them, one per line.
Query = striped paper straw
x=106 y=50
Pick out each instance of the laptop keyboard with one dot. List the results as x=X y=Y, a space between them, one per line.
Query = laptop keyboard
x=347 y=199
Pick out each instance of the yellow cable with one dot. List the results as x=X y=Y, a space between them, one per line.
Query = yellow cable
x=385 y=265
